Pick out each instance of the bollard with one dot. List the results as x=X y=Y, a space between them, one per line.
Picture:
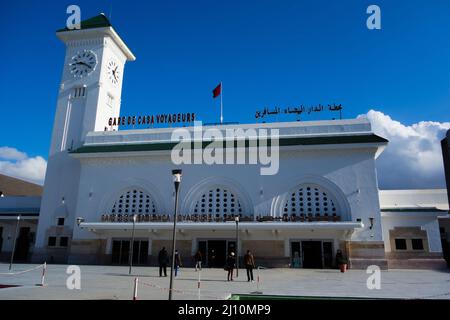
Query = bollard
x=257 y=280
x=135 y=291
x=43 y=274
x=44 y=269
x=198 y=284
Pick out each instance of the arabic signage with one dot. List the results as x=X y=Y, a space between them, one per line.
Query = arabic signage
x=298 y=110
x=152 y=119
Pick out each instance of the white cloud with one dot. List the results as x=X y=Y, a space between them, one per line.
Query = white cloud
x=17 y=164
x=8 y=153
x=413 y=157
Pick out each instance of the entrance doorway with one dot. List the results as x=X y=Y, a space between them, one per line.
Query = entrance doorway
x=121 y=252
x=22 y=245
x=312 y=254
x=214 y=252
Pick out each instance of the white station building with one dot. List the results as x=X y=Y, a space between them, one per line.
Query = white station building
x=324 y=197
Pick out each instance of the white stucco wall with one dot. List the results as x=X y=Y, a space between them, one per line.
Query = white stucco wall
x=426 y=221
x=348 y=174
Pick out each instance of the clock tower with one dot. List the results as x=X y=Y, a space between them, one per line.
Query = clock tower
x=89 y=94
x=91 y=85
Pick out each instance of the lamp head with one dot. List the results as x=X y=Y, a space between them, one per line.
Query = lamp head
x=371 y=222
x=80 y=220
x=177 y=173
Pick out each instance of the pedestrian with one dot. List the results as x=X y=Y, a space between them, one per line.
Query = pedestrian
x=212 y=259
x=341 y=261
x=178 y=264
x=198 y=260
x=296 y=261
x=163 y=260
x=249 y=262
x=231 y=263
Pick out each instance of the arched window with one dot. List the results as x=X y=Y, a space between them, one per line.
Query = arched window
x=218 y=201
x=310 y=200
x=134 y=201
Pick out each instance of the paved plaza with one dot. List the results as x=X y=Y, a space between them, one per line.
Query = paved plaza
x=114 y=282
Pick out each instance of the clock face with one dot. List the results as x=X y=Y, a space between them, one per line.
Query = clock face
x=113 y=72
x=83 y=63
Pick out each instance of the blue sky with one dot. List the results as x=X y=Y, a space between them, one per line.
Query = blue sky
x=265 y=52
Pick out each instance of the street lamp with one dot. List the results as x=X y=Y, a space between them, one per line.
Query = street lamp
x=132 y=244
x=177 y=180
x=80 y=220
x=237 y=240
x=14 y=243
x=371 y=223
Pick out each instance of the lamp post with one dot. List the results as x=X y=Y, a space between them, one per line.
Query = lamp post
x=177 y=180
x=130 y=257
x=237 y=250
x=14 y=243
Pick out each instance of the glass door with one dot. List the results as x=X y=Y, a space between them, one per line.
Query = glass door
x=296 y=261
x=121 y=251
x=327 y=254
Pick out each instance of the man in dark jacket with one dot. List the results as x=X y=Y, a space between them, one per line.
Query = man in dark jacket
x=198 y=260
x=249 y=262
x=163 y=260
x=231 y=263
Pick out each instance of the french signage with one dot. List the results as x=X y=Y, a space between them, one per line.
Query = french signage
x=152 y=119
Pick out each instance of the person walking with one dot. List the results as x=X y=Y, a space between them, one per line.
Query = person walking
x=249 y=262
x=341 y=261
x=178 y=264
x=163 y=260
x=212 y=259
x=231 y=263
x=198 y=260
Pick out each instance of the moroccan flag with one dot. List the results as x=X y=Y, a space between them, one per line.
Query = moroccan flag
x=217 y=91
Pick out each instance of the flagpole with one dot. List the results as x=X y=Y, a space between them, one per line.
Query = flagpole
x=221 y=104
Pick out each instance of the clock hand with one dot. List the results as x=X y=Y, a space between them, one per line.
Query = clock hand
x=114 y=73
x=83 y=63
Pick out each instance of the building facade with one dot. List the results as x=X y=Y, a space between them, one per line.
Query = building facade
x=324 y=196
x=20 y=202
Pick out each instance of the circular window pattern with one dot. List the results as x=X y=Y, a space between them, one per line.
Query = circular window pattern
x=222 y=198
x=321 y=205
x=137 y=199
